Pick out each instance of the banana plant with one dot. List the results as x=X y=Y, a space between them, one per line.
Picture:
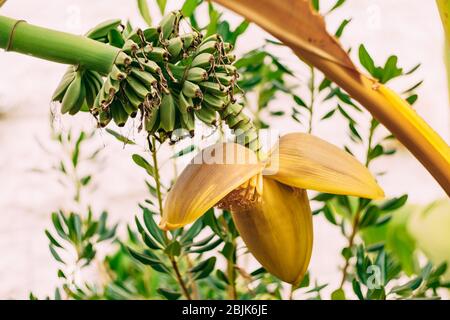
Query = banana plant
x=299 y=26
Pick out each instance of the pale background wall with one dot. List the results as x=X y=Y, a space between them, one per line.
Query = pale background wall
x=408 y=28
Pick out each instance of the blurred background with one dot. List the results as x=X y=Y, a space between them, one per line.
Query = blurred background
x=29 y=192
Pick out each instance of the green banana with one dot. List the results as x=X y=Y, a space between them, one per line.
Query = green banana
x=134 y=100
x=139 y=89
x=185 y=104
x=72 y=94
x=233 y=109
x=104 y=118
x=197 y=75
x=207 y=47
x=91 y=89
x=167 y=113
x=152 y=121
x=66 y=80
x=214 y=88
x=118 y=113
x=188 y=122
x=81 y=99
x=206 y=115
x=116 y=74
x=158 y=54
x=191 y=90
x=101 y=30
x=218 y=103
x=224 y=79
x=169 y=25
x=146 y=78
x=174 y=47
x=203 y=60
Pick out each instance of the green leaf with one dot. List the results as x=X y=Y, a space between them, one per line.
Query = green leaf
x=222 y=276
x=412 y=99
x=55 y=254
x=366 y=60
x=169 y=294
x=140 y=161
x=299 y=101
x=119 y=137
x=52 y=239
x=204 y=268
x=189 y=7
x=338 y=4
x=162 y=5
x=338 y=294
x=370 y=217
x=316 y=4
x=144 y=11
x=357 y=289
x=394 y=204
x=85 y=180
x=193 y=231
x=390 y=70
x=76 y=151
x=152 y=227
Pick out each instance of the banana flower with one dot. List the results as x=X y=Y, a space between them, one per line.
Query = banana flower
x=267 y=199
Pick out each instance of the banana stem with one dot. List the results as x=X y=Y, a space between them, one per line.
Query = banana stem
x=22 y=37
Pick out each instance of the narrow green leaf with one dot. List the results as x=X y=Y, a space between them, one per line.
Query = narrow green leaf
x=144 y=11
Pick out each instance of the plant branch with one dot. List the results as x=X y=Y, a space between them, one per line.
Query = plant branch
x=180 y=279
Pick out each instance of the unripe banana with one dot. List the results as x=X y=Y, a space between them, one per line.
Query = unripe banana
x=230 y=58
x=188 y=122
x=226 y=68
x=185 y=104
x=130 y=47
x=104 y=118
x=95 y=78
x=167 y=113
x=101 y=30
x=235 y=121
x=134 y=100
x=146 y=78
x=81 y=99
x=217 y=103
x=207 y=115
x=151 y=34
x=224 y=79
x=214 y=37
x=152 y=121
x=191 y=90
x=158 y=55
x=197 y=75
x=232 y=110
x=169 y=25
x=214 y=88
x=139 y=89
x=91 y=89
x=189 y=39
x=175 y=46
x=203 y=60
x=177 y=71
x=66 y=80
x=150 y=66
x=71 y=96
x=118 y=113
x=111 y=86
x=117 y=74
x=207 y=47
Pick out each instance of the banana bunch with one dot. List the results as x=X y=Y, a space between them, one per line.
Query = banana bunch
x=166 y=77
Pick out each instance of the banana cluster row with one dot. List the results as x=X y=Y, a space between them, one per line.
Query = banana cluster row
x=165 y=77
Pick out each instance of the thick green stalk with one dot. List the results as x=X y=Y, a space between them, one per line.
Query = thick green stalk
x=56 y=46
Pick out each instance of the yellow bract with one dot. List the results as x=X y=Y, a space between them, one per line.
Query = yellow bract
x=278 y=231
x=209 y=178
x=308 y=162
